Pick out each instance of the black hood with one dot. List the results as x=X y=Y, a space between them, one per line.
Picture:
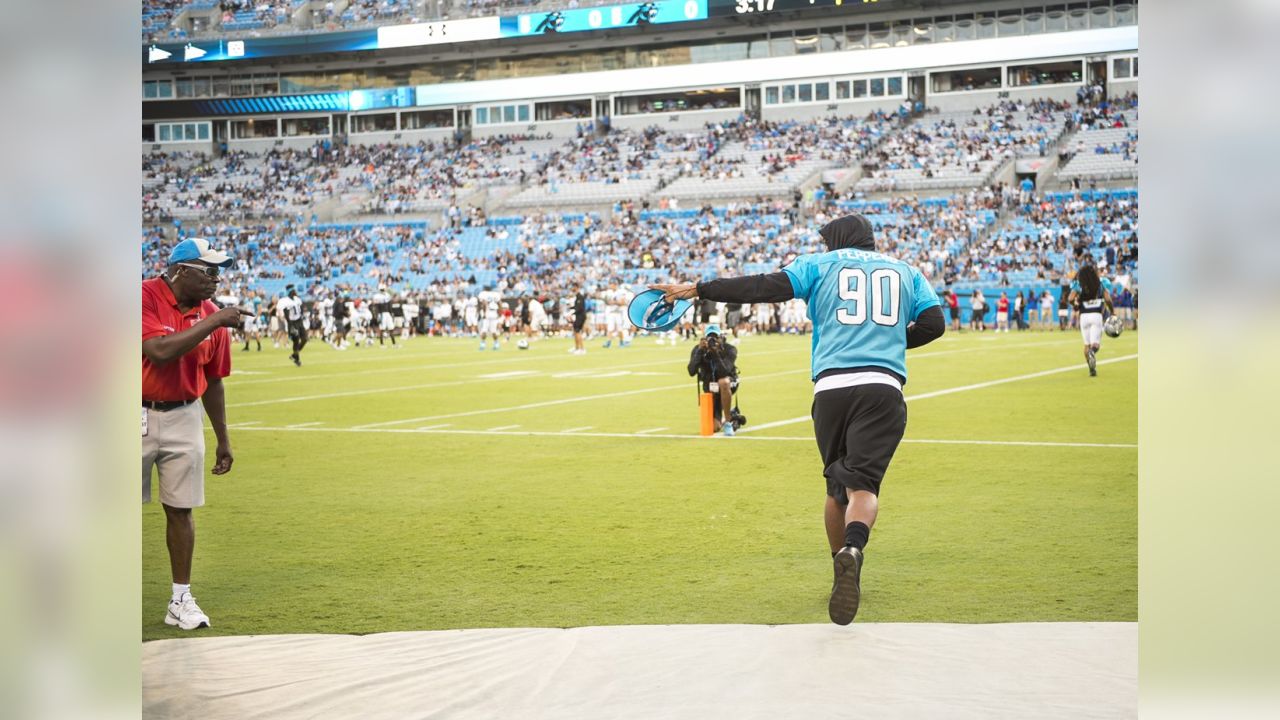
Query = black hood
x=850 y=231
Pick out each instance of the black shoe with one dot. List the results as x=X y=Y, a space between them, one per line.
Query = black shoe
x=296 y=360
x=847 y=591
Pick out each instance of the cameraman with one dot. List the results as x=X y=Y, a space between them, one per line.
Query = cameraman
x=713 y=361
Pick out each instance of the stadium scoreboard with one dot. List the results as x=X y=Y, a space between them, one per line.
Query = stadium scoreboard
x=756 y=7
x=483 y=29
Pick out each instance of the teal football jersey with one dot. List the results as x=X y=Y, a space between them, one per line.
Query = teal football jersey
x=860 y=303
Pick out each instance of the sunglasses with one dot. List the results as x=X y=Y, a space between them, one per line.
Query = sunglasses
x=208 y=270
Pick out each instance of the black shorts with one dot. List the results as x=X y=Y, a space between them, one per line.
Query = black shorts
x=579 y=324
x=858 y=429
x=296 y=330
x=955 y=313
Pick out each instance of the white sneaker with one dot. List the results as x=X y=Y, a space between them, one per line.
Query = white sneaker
x=186 y=614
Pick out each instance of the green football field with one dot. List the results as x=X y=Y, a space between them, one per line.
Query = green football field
x=435 y=486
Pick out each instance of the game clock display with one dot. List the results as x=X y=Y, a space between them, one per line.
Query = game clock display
x=754 y=7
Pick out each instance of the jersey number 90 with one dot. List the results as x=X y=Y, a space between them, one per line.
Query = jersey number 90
x=881 y=294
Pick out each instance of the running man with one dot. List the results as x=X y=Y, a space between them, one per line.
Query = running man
x=867 y=309
x=1088 y=294
x=291 y=308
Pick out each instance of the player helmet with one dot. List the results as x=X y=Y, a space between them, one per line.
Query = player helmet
x=1113 y=327
x=650 y=311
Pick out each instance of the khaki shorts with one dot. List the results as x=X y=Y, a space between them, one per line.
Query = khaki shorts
x=174 y=444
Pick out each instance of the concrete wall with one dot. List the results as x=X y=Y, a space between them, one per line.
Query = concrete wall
x=688 y=120
x=204 y=146
x=401 y=137
x=265 y=144
x=948 y=102
x=1120 y=87
x=841 y=108
x=557 y=128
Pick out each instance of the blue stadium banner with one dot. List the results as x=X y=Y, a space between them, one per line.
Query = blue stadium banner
x=274 y=105
x=605 y=18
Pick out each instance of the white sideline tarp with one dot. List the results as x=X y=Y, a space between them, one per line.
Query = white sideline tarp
x=736 y=672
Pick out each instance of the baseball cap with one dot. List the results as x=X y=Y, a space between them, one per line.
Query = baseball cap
x=649 y=310
x=711 y=330
x=197 y=249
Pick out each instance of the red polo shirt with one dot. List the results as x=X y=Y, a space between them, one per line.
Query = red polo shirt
x=187 y=377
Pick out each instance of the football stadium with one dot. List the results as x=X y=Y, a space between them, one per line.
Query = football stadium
x=424 y=441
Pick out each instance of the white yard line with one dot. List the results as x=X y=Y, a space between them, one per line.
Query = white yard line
x=562 y=401
x=578 y=432
x=473 y=363
x=373 y=391
x=454 y=383
x=650 y=430
x=584 y=371
x=502 y=427
x=306 y=424
x=949 y=391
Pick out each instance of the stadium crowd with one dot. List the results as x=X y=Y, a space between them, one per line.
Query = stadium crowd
x=952 y=240
x=978 y=237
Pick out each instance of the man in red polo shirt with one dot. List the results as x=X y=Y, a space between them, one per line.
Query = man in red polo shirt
x=185 y=354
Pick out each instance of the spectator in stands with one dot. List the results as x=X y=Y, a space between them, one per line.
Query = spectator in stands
x=265 y=200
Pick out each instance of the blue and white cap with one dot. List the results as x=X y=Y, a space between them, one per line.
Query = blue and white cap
x=197 y=249
x=650 y=311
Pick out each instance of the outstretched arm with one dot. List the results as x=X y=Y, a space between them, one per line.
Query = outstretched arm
x=768 y=288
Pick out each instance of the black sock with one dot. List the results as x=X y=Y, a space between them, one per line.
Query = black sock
x=856 y=534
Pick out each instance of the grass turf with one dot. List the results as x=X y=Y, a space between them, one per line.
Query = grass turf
x=333 y=528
